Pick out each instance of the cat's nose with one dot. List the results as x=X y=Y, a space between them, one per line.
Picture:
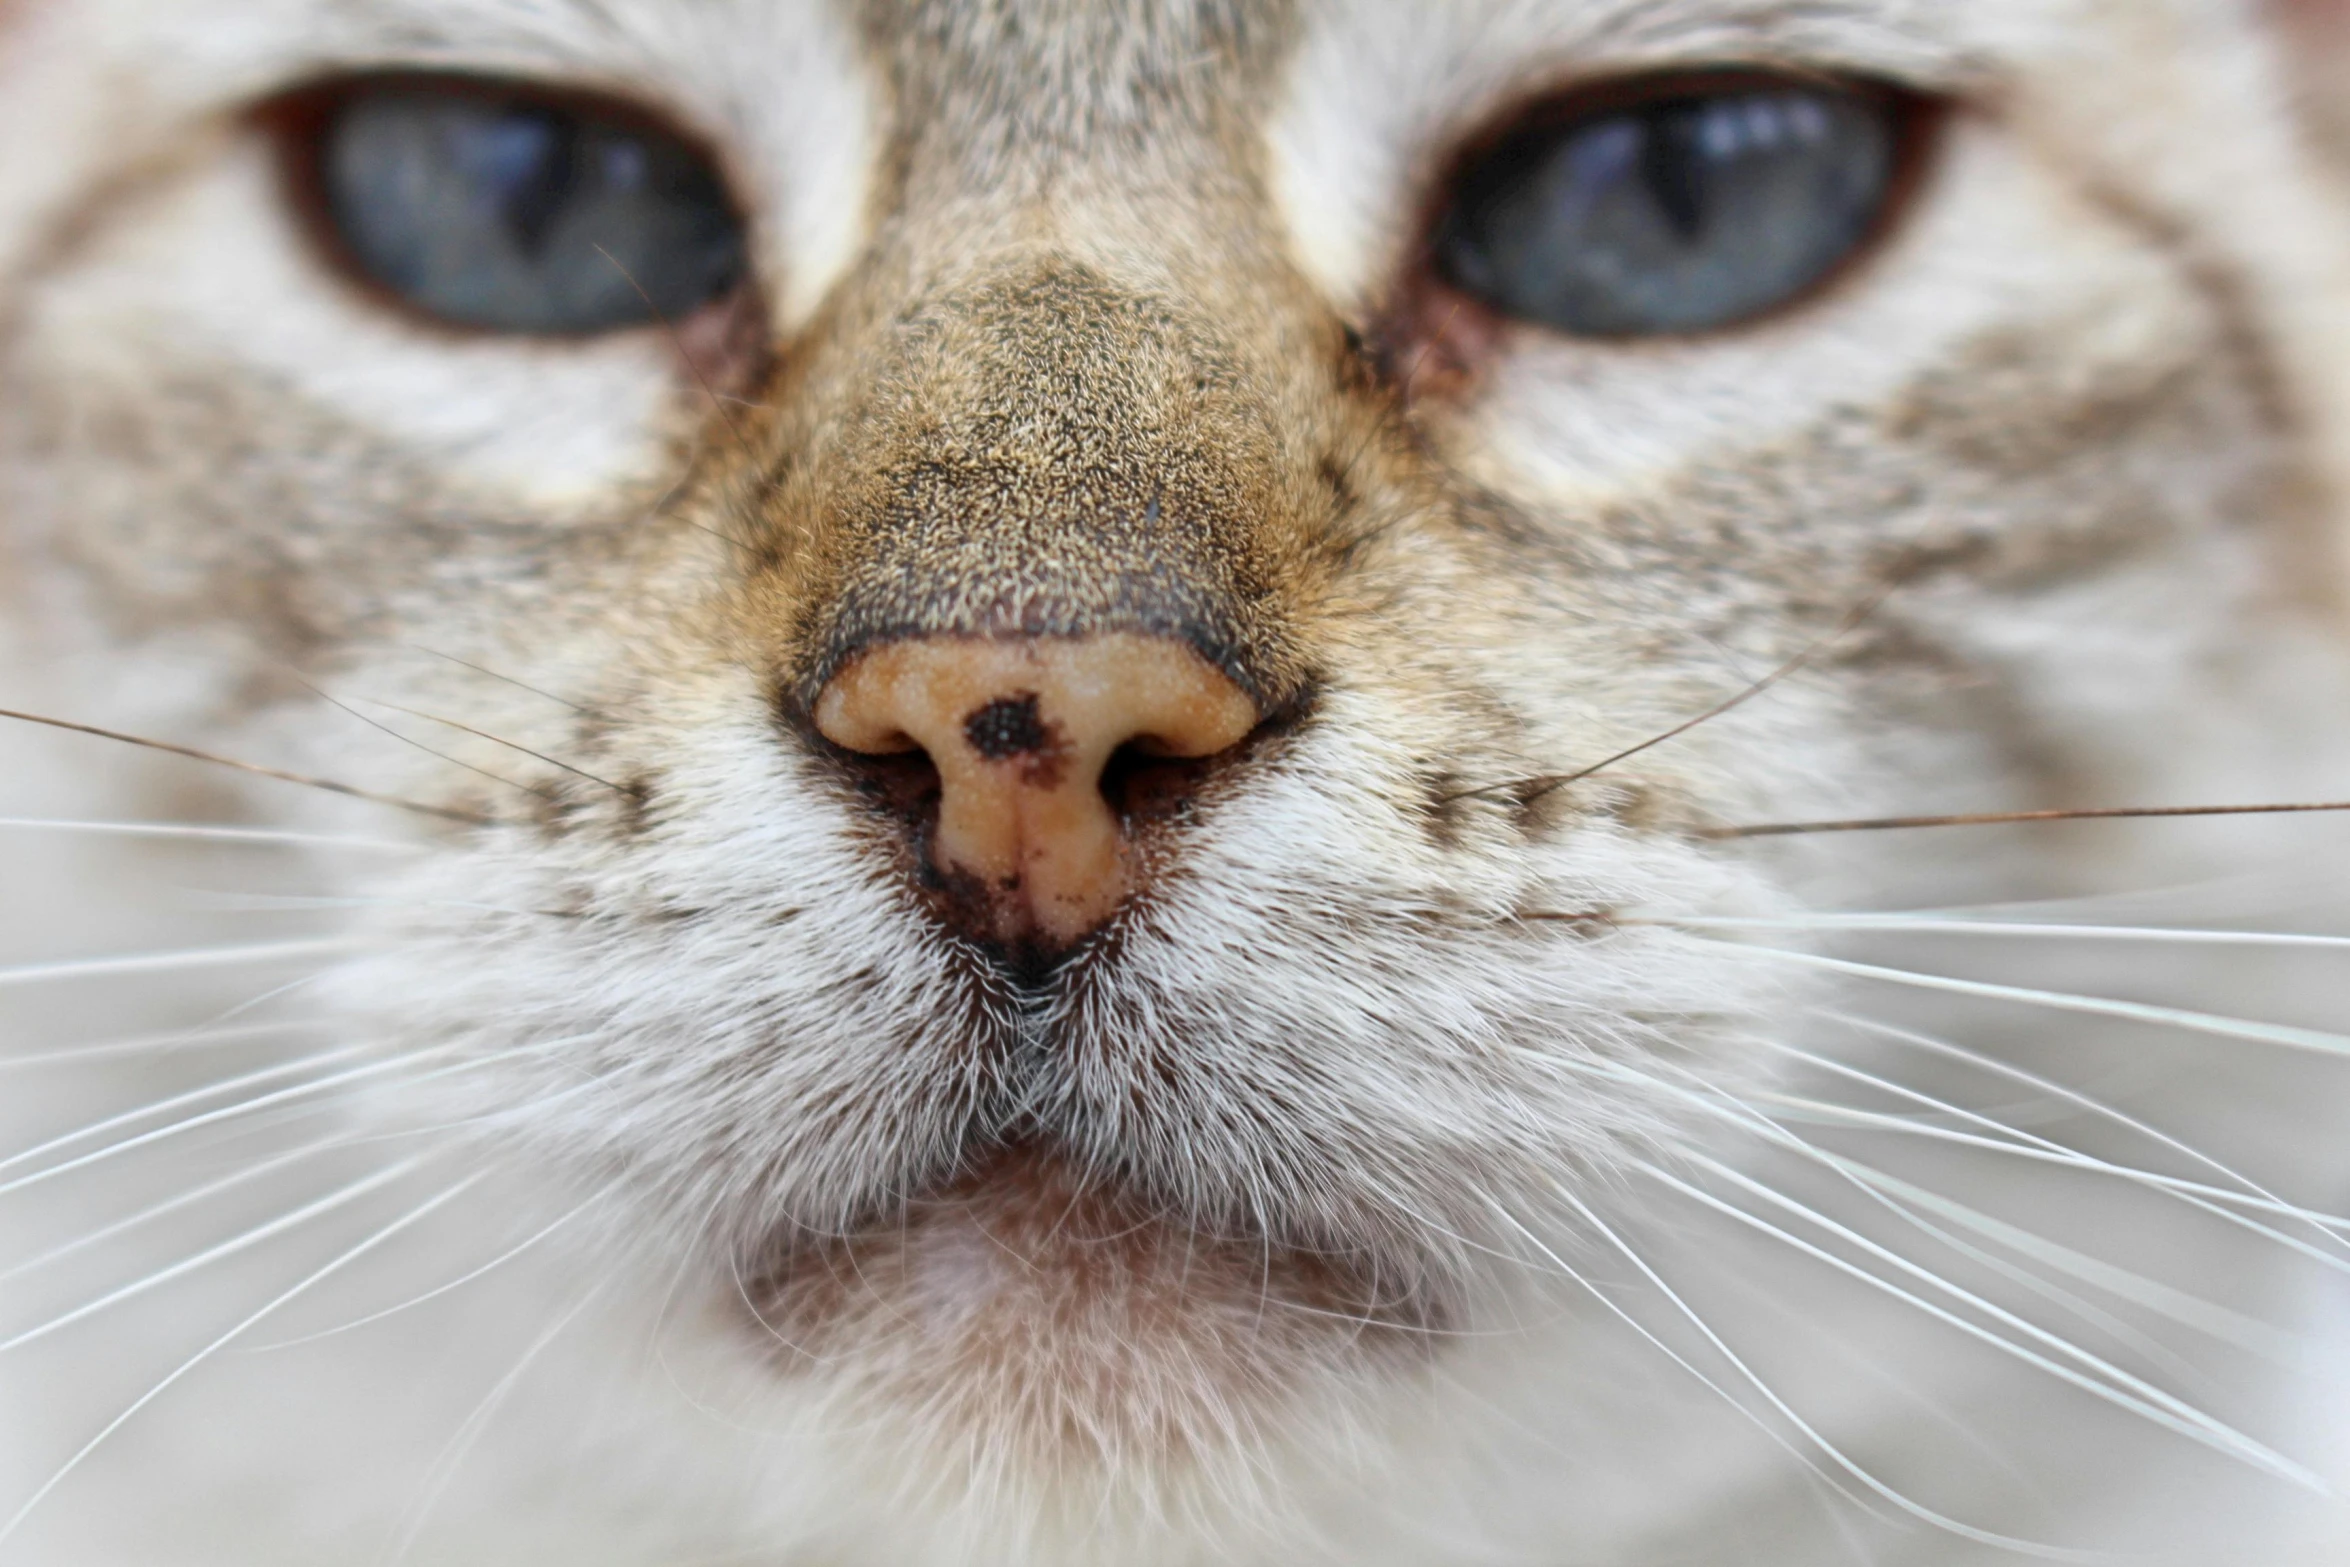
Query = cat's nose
x=1020 y=731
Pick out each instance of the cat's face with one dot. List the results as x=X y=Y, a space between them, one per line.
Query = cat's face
x=1022 y=749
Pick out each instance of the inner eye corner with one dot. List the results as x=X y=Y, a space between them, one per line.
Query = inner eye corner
x=1444 y=317
x=689 y=270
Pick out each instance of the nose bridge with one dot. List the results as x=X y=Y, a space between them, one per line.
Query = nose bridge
x=1047 y=453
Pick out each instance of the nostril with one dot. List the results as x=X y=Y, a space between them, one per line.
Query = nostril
x=1144 y=785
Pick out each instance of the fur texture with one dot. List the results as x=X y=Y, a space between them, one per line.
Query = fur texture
x=1456 y=1156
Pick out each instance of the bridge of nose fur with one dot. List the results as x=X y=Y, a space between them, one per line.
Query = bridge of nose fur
x=1020 y=730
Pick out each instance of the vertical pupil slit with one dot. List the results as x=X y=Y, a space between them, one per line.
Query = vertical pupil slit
x=535 y=157
x=1669 y=164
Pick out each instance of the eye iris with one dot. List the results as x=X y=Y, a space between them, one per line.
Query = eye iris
x=524 y=217
x=1676 y=215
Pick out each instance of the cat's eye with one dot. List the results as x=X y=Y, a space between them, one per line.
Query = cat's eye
x=1681 y=209
x=511 y=210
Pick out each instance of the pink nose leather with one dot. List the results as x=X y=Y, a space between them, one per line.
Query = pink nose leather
x=1020 y=730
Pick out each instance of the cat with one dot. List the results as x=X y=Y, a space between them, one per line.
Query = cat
x=1167 y=782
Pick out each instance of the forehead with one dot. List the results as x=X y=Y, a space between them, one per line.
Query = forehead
x=1076 y=46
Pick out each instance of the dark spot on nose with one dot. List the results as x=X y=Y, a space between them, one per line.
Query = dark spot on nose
x=1007 y=727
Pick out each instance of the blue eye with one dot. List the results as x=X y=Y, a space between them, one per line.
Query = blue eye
x=512 y=212
x=1680 y=213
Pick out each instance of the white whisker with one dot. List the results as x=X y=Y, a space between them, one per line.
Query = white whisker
x=2096 y=1006
x=154 y=1044
x=2069 y=1158
x=2207 y=1317
x=211 y=1118
x=2123 y=1390
x=212 y=1090
x=1976 y=1059
x=2245 y=1332
x=1920 y=925
x=186 y=1199
x=1778 y=1438
x=1835 y=1455
x=158 y=962
x=198 y=832
x=226 y=1249
x=277 y=1303
x=451 y=1457
x=435 y=1293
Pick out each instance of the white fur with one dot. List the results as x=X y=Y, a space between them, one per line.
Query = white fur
x=1335 y=1026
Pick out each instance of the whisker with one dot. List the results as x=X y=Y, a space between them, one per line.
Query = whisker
x=154 y=1044
x=436 y=1293
x=2214 y=1200
x=279 y=903
x=483 y=669
x=2096 y=1006
x=186 y=1199
x=1535 y=788
x=212 y=1090
x=1614 y=1308
x=410 y=740
x=251 y=1238
x=155 y=962
x=209 y=1118
x=446 y=813
x=2206 y=1316
x=2020 y=819
x=677 y=341
x=1810 y=1433
x=451 y=1458
x=2263 y=1198
x=1910 y=924
x=2123 y=1390
x=277 y=1303
x=202 y=832
x=484 y=734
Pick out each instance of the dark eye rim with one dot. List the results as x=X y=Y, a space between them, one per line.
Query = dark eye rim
x=295 y=123
x=1430 y=305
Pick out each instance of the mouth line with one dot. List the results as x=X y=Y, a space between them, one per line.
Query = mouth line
x=1023 y=1233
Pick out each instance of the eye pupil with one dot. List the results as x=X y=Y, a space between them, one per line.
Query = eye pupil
x=489 y=210
x=524 y=164
x=1684 y=213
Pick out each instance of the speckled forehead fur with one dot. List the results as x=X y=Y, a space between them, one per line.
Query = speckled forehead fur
x=1090 y=316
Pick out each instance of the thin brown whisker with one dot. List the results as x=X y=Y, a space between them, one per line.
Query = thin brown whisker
x=411 y=740
x=2021 y=819
x=483 y=734
x=482 y=669
x=1535 y=788
x=446 y=813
